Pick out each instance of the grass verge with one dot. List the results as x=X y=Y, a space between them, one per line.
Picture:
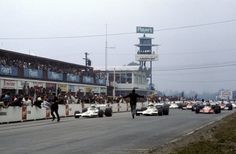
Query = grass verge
x=217 y=138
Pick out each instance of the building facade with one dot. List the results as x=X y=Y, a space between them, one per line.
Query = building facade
x=20 y=72
x=123 y=79
x=225 y=95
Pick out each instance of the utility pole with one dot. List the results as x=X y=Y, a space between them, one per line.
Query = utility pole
x=86 y=58
x=106 y=57
x=107 y=82
x=114 y=83
x=106 y=51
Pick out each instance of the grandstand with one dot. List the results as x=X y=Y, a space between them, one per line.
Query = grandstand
x=18 y=71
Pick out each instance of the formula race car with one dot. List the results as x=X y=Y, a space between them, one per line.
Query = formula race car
x=94 y=111
x=173 y=105
x=153 y=110
x=226 y=106
x=208 y=108
x=190 y=105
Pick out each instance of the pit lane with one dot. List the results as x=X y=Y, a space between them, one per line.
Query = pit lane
x=112 y=135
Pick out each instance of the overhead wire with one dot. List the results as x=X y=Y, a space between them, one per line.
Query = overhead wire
x=116 y=34
x=197 y=25
x=203 y=81
x=197 y=67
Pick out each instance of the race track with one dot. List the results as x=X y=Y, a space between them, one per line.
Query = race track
x=119 y=134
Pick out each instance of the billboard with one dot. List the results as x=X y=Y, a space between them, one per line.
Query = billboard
x=146 y=57
x=146 y=30
x=72 y=77
x=9 y=84
x=33 y=73
x=8 y=70
x=55 y=76
x=101 y=81
x=88 y=79
x=63 y=87
x=226 y=94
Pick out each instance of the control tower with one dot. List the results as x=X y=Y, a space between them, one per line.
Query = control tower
x=145 y=53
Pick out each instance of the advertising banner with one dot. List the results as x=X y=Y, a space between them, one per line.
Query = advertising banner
x=24 y=113
x=22 y=84
x=33 y=73
x=146 y=57
x=96 y=89
x=103 y=90
x=63 y=87
x=37 y=84
x=73 y=88
x=72 y=78
x=144 y=30
x=8 y=70
x=101 y=81
x=88 y=89
x=67 y=110
x=9 y=84
x=51 y=87
x=81 y=89
x=55 y=76
x=88 y=79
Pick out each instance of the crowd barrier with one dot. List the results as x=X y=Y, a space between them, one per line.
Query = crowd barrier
x=27 y=113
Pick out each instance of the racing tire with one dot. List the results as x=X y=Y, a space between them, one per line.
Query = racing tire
x=197 y=110
x=160 y=112
x=84 y=110
x=230 y=107
x=108 y=112
x=193 y=108
x=138 y=114
x=100 y=113
x=76 y=112
x=217 y=109
x=165 y=111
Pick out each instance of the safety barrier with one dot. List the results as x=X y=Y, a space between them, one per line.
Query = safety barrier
x=10 y=114
x=26 y=113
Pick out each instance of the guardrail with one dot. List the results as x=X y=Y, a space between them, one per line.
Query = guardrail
x=27 y=113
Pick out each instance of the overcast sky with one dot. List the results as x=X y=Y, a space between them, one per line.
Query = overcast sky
x=209 y=41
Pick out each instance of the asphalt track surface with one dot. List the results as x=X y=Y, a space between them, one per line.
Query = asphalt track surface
x=119 y=134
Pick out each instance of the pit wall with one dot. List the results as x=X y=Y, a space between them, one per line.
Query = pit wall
x=28 y=113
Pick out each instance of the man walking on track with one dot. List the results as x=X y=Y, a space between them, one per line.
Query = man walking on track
x=133 y=101
x=54 y=107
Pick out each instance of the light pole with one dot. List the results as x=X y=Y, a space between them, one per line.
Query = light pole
x=114 y=83
x=106 y=49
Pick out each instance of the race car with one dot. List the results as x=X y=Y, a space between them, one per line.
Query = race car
x=188 y=106
x=234 y=105
x=226 y=105
x=94 y=111
x=195 y=105
x=208 y=108
x=153 y=110
x=173 y=105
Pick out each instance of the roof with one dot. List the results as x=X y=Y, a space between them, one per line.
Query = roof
x=17 y=54
x=120 y=68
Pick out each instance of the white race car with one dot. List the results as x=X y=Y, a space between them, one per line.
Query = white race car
x=173 y=105
x=189 y=106
x=94 y=111
x=153 y=110
x=234 y=105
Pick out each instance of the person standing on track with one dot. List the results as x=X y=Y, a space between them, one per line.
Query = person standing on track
x=133 y=101
x=54 y=107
